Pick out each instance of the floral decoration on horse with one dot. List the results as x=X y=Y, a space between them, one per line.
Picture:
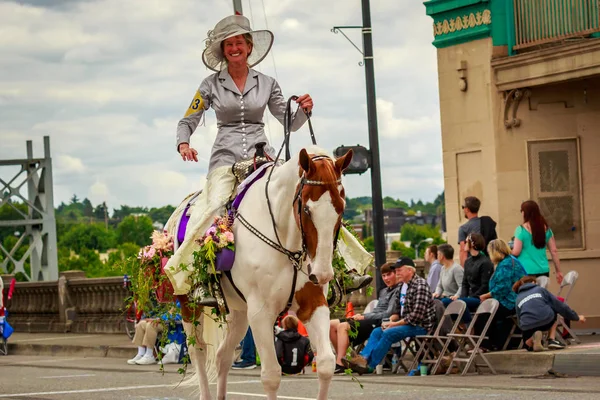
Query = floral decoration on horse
x=147 y=272
x=217 y=246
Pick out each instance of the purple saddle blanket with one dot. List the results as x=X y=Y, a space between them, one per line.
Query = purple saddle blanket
x=241 y=192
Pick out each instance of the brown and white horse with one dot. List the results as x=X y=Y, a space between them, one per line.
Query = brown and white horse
x=307 y=201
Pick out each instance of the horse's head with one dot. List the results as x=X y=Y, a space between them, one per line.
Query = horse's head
x=319 y=205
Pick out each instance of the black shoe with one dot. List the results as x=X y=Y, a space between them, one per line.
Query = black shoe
x=339 y=369
x=555 y=344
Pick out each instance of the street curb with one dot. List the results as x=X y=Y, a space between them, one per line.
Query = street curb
x=36 y=349
x=521 y=362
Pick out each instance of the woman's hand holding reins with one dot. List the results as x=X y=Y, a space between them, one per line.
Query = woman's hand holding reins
x=305 y=102
x=187 y=153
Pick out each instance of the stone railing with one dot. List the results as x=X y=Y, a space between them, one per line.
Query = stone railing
x=75 y=303
x=71 y=304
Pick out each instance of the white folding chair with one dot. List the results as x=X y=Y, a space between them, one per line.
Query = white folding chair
x=434 y=347
x=563 y=330
x=468 y=357
x=542 y=281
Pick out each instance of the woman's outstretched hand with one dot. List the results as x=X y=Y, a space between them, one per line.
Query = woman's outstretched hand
x=305 y=102
x=187 y=153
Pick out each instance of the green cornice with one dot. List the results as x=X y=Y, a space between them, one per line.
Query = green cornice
x=459 y=21
x=439 y=6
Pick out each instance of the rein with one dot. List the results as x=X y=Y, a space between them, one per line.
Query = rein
x=295 y=257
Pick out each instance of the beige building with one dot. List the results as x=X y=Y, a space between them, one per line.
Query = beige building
x=519 y=91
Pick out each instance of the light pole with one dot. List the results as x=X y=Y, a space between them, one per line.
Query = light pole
x=428 y=240
x=367 y=52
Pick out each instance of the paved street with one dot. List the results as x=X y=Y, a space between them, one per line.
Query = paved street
x=38 y=377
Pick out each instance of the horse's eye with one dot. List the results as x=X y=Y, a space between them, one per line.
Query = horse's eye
x=307 y=211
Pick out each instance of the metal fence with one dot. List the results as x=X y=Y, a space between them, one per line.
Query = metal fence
x=539 y=22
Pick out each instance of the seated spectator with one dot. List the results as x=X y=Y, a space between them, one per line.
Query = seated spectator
x=451 y=276
x=477 y=274
x=537 y=311
x=417 y=318
x=508 y=271
x=293 y=350
x=433 y=277
x=363 y=325
x=146 y=333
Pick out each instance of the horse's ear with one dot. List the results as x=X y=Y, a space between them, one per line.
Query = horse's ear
x=304 y=160
x=342 y=163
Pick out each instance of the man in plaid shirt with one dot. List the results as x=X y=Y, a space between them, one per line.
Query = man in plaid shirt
x=416 y=318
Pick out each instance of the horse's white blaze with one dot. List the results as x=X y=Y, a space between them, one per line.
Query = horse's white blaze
x=324 y=217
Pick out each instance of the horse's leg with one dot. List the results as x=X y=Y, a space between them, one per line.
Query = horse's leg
x=196 y=344
x=261 y=323
x=197 y=353
x=237 y=325
x=314 y=313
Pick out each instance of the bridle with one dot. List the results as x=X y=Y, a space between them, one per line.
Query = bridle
x=299 y=256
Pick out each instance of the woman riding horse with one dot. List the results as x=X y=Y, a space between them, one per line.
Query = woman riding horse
x=239 y=96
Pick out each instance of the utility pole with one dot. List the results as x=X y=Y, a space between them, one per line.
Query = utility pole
x=378 y=224
x=373 y=153
x=237 y=7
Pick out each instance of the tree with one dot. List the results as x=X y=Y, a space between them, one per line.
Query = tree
x=135 y=230
x=12 y=211
x=415 y=233
x=404 y=251
x=88 y=236
x=369 y=243
x=161 y=214
x=88 y=208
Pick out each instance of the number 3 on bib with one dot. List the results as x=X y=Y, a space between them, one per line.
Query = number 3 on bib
x=196 y=105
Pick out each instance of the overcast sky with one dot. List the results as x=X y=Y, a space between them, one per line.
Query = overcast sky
x=108 y=80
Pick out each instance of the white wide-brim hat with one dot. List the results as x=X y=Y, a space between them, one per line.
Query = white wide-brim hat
x=231 y=26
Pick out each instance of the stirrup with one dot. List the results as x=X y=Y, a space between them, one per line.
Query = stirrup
x=203 y=297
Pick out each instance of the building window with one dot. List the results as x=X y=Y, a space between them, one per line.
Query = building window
x=554 y=182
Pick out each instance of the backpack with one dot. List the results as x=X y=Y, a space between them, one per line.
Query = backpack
x=293 y=352
x=488 y=231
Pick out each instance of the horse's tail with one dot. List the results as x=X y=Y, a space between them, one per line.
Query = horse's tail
x=213 y=336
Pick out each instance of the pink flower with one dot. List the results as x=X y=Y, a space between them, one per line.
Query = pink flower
x=212 y=230
x=149 y=252
x=229 y=236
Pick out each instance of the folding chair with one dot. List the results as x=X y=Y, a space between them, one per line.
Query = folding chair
x=568 y=282
x=413 y=344
x=371 y=306
x=563 y=330
x=542 y=281
x=490 y=306
x=433 y=347
x=512 y=335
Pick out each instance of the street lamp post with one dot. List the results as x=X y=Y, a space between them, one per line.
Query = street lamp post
x=376 y=192
x=428 y=240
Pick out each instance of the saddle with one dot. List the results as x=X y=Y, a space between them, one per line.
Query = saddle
x=243 y=169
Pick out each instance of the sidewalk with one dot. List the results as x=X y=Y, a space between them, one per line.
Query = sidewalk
x=577 y=360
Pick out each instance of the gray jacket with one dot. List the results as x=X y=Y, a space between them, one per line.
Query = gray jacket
x=387 y=303
x=239 y=115
x=538 y=307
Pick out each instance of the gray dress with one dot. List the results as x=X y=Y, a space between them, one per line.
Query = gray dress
x=239 y=115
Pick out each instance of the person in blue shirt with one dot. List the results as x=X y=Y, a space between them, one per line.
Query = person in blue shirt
x=146 y=334
x=508 y=271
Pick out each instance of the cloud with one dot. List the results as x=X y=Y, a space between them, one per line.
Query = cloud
x=108 y=81
x=70 y=164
